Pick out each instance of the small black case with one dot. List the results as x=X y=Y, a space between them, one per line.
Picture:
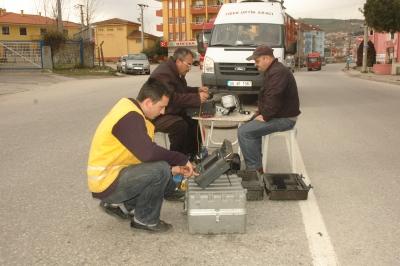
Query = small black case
x=251 y=182
x=287 y=186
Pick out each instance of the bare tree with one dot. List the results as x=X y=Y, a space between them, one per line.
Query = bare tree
x=49 y=8
x=90 y=7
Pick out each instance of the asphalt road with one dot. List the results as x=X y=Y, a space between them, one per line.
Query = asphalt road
x=348 y=138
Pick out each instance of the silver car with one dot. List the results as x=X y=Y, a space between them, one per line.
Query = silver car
x=137 y=64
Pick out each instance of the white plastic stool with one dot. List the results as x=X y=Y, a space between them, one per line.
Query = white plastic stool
x=290 y=137
x=163 y=136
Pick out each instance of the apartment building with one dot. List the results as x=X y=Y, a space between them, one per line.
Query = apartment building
x=184 y=19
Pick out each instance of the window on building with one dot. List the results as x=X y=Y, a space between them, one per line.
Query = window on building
x=170 y=5
x=110 y=29
x=198 y=3
x=170 y=36
x=183 y=36
x=138 y=40
x=22 y=31
x=177 y=4
x=119 y=28
x=100 y=29
x=183 y=4
x=43 y=31
x=199 y=19
x=171 y=20
x=177 y=36
x=5 y=30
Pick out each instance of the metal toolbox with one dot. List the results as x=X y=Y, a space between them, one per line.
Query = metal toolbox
x=286 y=186
x=218 y=209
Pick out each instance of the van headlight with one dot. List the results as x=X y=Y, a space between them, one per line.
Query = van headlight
x=208 y=66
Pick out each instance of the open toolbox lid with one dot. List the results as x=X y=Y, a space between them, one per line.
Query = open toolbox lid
x=285 y=186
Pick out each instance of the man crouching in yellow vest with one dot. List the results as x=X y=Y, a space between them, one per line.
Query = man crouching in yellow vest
x=127 y=171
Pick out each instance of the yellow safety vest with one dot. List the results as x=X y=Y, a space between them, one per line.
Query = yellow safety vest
x=107 y=155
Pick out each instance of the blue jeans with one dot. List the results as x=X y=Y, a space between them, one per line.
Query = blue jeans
x=250 y=138
x=141 y=187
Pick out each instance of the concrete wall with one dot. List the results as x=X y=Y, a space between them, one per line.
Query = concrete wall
x=67 y=55
x=88 y=54
x=46 y=57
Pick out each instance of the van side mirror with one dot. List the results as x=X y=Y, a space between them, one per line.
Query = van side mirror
x=291 y=48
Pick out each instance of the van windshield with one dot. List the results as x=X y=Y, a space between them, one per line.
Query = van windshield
x=247 y=34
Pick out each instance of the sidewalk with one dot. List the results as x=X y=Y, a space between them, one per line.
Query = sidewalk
x=392 y=79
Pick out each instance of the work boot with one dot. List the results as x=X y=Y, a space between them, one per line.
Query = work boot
x=114 y=210
x=160 y=227
x=176 y=195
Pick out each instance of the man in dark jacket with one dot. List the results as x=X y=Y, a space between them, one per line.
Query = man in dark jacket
x=278 y=106
x=182 y=130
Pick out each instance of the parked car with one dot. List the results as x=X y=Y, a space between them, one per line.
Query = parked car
x=121 y=63
x=137 y=64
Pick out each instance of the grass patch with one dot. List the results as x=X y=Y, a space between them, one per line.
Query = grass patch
x=81 y=71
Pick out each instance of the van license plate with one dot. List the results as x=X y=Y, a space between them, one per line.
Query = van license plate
x=239 y=83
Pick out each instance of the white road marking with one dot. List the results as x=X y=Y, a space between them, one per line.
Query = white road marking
x=319 y=242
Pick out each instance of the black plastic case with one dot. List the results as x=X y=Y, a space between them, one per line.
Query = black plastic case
x=286 y=186
x=255 y=187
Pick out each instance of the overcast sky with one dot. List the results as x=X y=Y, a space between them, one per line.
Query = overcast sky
x=128 y=9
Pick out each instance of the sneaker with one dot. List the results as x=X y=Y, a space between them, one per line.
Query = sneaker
x=160 y=227
x=177 y=195
x=114 y=211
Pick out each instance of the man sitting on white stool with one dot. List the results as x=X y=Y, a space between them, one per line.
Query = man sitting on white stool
x=278 y=106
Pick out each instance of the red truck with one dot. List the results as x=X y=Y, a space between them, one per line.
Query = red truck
x=314 y=61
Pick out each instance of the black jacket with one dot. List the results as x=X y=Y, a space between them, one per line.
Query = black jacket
x=278 y=98
x=183 y=95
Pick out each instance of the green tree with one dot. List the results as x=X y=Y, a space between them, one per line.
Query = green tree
x=156 y=52
x=383 y=15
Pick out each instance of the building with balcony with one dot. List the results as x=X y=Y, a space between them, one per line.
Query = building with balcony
x=27 y=27
x=184 y=19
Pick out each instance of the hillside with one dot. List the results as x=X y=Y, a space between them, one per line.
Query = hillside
x=336 y=25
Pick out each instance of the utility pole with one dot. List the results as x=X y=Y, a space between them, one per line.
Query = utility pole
x=82 y=18
x=142 y=6
x=59 y=17
x=365 y=50
x=298 y=44
x=89 y=17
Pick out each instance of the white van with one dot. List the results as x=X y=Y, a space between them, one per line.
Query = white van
x=238 y=29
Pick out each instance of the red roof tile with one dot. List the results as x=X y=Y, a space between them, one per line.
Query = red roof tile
x=27 y=19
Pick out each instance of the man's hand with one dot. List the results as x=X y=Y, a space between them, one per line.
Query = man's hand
x=203 y=89
x=186 y=171
x=203 y=96
x=259 y=118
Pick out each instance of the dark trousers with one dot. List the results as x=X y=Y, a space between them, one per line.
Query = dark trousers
x=141 y=187
x=183 y=132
